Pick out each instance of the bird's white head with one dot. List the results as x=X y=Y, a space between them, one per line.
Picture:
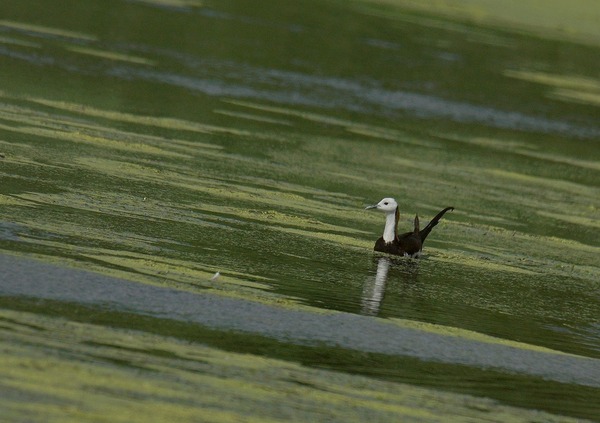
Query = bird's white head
x=387 y=205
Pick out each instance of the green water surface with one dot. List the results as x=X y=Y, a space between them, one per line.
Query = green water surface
x=163 y=141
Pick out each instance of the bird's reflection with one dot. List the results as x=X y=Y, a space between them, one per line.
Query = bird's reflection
x=374 y=287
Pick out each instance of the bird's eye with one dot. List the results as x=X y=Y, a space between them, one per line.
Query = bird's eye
x=385 y=204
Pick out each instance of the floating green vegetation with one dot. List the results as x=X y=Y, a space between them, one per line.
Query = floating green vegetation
x=173 y=3
x=45 y=30
x=252 y=117
x=17 y=42
x=578 y=220
x=152 y=121
x=111 y=55
x=555 y=19
x=109 y=374
x=292 y=209
x=578 y=89
x=572 y=82
x=465 y=334
x=6 y=200
x=591 y=98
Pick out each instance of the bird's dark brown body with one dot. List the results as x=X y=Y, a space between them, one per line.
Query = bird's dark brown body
x=409 y=243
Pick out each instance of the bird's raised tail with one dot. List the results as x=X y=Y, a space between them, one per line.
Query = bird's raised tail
x=423 y=233
x=416 y=231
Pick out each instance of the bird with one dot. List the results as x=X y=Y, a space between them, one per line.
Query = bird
x=406 y=244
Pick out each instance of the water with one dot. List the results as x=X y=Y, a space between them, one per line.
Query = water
x=161 y=142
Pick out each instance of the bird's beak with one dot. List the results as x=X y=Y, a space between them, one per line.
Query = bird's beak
x=374 y=206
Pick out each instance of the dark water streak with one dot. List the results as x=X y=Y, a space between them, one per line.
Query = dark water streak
x=27 y=278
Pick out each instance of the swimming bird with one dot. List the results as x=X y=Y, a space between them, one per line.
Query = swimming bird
x=409 y=243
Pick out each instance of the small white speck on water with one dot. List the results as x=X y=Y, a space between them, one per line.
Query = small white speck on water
x=215 y=276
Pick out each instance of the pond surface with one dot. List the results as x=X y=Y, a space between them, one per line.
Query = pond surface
x=151 y=144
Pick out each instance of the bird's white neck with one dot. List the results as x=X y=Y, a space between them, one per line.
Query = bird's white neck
x=389 y=232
